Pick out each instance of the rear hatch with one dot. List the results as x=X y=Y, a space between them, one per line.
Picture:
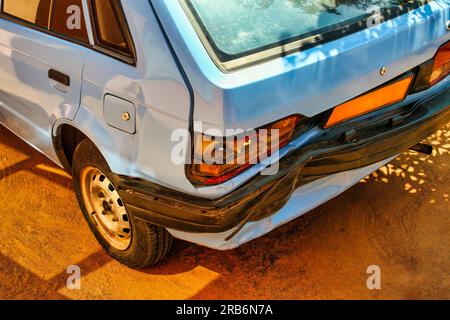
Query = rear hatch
x=252 y=62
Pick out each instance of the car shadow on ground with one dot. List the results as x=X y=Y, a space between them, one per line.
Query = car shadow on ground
x=23 y=283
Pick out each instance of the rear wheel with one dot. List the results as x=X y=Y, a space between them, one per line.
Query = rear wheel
x=133 y=242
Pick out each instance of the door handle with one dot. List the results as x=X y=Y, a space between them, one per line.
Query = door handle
x=59 y=77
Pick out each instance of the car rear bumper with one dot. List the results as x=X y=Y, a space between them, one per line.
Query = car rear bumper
x=352 y=146
x=304 y=199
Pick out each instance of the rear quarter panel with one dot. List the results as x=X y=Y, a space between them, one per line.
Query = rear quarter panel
x=160 y=96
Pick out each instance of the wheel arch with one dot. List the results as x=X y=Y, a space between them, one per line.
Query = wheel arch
x=66 y=138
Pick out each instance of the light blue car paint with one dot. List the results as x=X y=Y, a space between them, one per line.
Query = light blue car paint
x=308 y=82
x=31 y=103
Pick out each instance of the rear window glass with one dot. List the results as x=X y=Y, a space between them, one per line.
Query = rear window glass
x=109 y=30
x=237 y=27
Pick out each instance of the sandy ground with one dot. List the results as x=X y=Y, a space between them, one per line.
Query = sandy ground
x=398 y=219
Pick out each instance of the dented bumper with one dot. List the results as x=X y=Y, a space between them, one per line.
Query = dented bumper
x=373 y=139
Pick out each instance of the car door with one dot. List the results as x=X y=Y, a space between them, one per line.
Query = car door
x=42 y=54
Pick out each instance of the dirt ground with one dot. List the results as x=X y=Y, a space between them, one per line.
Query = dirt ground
x=397 y=219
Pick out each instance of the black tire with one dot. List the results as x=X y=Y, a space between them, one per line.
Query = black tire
x=149 y=243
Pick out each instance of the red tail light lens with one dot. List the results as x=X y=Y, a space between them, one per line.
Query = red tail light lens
x=441 y=67
x=218 y=159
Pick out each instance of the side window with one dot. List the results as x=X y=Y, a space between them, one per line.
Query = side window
x=110 y=25
x=34 y=11
x=68 y=19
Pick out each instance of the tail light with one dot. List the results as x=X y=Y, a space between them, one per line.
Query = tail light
x=434 y=70
x=441 y=67
x=218 y=159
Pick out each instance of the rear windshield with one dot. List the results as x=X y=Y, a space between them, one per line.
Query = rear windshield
x=235 y=28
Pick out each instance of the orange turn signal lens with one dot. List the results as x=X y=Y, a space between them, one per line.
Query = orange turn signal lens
x=376 y=99
x=218 y=159
x=441 y=67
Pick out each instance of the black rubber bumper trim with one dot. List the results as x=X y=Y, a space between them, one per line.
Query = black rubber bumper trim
x=172 y=209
